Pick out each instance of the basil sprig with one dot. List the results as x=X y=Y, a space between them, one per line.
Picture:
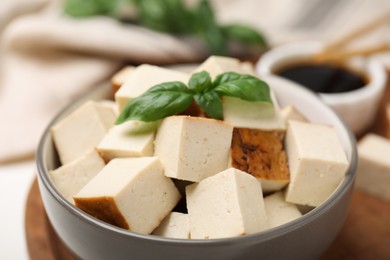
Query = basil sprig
x=170 y=98
x=174 y=17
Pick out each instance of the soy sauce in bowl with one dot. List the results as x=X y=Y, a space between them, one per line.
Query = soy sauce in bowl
x=323 y=77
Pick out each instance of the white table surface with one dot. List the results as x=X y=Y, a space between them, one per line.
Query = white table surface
x=15 y=182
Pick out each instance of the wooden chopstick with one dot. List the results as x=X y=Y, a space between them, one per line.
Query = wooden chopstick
x=334 y=51
x=337 y=56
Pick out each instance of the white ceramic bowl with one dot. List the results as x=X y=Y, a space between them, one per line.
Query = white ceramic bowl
x=304 y=238
x=358 y=107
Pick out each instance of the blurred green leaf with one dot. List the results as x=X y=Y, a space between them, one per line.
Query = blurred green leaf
x=83 y=8
x=209 y=30
x=244 y=34
x=174 y=17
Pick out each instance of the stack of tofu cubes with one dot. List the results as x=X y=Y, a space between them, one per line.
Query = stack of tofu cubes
x=134 y=174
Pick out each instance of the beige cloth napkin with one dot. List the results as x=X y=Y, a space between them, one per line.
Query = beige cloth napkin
x=47 y=59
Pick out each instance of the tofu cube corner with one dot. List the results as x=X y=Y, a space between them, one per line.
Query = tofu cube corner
x=193 y=148
x=317 y=162
x=82 y=130
x=373 y=171
x=142 y=78
x=227 y=204
x=255 y=115
x=70 y=178
x=279 y=211
x=216 y=65
x=129 y=139
x=175 y=225
x=131 y=193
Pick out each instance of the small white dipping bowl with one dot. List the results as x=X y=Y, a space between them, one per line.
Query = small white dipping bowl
x=304 y=238
x=357 y=107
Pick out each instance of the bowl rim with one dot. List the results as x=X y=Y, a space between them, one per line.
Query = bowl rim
x=265 y=235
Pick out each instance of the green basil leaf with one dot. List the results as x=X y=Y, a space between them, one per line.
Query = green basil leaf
x=160 y=101
x=200 y=82
x=244 y=34
x=211 y=104
x=245 y=87
x=174 y=86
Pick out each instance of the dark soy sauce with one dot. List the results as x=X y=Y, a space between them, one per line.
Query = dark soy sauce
x=323 y=78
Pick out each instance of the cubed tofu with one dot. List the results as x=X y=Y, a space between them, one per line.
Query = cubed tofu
x=193 y=148
x=121 y=77
x=175 y=225
x=317 y=162
x=373 y=172
x=142 y=79
x=70 y=178
x=216 y=65
x=129 y=139
x=227 y=204
x=256 y=115
x=279 y=211
x=261 y=154
x=82 y=130
x=291 y=113
x=131 y=193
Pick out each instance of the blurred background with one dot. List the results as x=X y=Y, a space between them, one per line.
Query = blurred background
x=51 y=51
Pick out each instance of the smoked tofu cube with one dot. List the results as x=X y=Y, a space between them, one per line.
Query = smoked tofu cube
x=256 y=115
x=121 y=77
x=175 y=225
x=373 y=172
x=279 y=211
x=227 y=204
x=317 y=162
x=142 y=79
x=131 y=193
x=70 y=178
x=193 y=148
x=261 y=154
x=216 y=65
x=82 y=130
x=130 y=139
x=291 y=113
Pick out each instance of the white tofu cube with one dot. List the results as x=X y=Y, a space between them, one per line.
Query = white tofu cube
x=227 y=204
x=317 y=162
x=216 y=65
x=291 y=113
x=142 y=79
x=82 y=130
x=131 y=193
x=373 y=172
x=256 y=115
x=70 y=178
x=193 y=148
x=130 y=139
x=279 y=211
x=175 y=225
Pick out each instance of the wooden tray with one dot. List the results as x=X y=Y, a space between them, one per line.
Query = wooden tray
x=365 y=234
